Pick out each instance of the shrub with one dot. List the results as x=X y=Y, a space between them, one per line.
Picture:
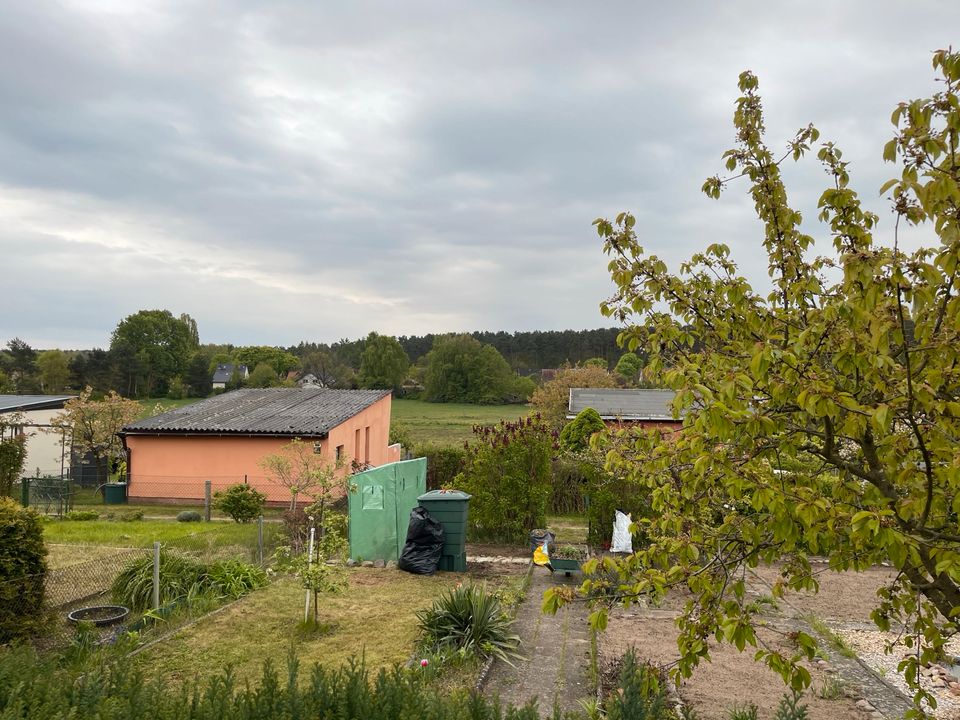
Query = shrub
x=508 y=475
x=640 y=694
x=133 y=586
x=576 y=434
x=23 y=568
x=233 y=578
x=444 y=462
x=241 y=502
x=468 y=619
x=82 y=515
x=571 y=481
x=116 y=691
x=188 y=516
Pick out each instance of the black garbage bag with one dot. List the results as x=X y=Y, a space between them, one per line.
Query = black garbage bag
x=421 y=552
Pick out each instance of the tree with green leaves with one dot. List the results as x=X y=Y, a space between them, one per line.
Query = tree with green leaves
x=151 y=347
x=54 y=370
x=629 y=367
x=263 y=376
x=280 y=360
x=576 y=434
x=822 y=416
x=462 y=369
x=13 y=451
x=383 y=363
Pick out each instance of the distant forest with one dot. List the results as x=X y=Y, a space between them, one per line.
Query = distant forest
x=526 y=351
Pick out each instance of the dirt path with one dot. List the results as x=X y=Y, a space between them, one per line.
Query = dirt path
x=557 y=648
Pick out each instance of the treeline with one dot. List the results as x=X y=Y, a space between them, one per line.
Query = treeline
x=153 y=353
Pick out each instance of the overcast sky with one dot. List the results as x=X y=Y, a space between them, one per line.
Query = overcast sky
x=287 y=171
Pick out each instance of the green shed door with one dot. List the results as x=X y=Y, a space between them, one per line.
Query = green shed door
x=373 y=512
x=411 y=484
x=380 y=502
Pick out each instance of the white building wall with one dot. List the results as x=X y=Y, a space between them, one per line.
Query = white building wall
x=45 y=451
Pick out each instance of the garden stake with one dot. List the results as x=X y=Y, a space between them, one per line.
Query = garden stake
x=306 y=607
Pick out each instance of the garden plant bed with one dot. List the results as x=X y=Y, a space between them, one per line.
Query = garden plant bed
x=568 y=558
x=841 y=685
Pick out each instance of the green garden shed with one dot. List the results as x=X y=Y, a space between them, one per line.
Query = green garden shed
x=379 y=505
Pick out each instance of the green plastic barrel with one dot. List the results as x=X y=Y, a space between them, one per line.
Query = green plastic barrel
x=451 y=508
x=114 y=493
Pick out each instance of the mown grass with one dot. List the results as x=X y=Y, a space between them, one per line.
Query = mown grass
x=219 y=538
x=92 y=499
x=373 y=618
x=450 y=423
x=568 y=529
x=149 y=405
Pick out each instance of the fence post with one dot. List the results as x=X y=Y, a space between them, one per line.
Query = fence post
x=260 y=539
x=156 y=575
x=25 y=492
x=306 y=604
x=206 y=500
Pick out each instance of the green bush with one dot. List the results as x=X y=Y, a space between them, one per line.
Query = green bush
x=133 y=586
x=444 y=463
x=570 y=486
x=23 y=568
x=35 y=687
x=82 y=515
x=576 y=434
x=189 y=516
x=182 y=578
x=241 y=502
x=508 y=474
x=468 y=619
x=640 y=693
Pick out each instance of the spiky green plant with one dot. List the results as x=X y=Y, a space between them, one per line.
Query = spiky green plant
x=133 y=586
x=468 y=618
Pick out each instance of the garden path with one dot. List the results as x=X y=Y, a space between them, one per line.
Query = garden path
x=557 y=651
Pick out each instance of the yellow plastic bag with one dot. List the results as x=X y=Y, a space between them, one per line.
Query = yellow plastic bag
x=541 y=556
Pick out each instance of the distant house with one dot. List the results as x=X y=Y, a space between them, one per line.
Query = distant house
x=224 y=374
x=620 y=406
x=48 y=452
x=309 y=381
x=223 y=439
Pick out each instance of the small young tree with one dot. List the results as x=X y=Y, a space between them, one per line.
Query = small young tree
x=303 y=471
x=13 y=451
x=92 y=425
x=576 y=434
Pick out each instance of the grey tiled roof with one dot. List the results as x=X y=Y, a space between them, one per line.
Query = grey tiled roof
x=623 y=404
x=224 y=373
x=308 y=412
x=9 y=403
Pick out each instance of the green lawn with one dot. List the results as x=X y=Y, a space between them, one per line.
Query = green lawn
x=150 y=404
x=374 y=618
x=450 y=423
x=213 y=539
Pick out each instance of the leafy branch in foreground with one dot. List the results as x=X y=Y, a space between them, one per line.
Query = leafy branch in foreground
x=821 y=418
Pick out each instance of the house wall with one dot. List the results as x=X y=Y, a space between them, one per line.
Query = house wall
x=174 y=467
x=44 y=446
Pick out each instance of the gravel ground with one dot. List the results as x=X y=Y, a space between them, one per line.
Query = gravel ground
x=870 y=647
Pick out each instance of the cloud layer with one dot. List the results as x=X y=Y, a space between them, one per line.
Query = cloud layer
x=303 y=170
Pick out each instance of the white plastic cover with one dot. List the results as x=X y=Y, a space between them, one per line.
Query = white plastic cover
x=622 y=539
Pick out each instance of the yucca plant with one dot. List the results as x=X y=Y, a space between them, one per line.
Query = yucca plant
x=468 y=619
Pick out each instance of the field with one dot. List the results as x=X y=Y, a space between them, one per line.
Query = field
x=449 y=423
x=150 y=405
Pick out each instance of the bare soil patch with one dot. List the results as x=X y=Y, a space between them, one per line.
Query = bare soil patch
x=731 y=680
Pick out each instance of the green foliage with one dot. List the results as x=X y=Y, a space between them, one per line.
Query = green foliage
x=241 y=502
x=322 y=572
x=468 y=619
x=790 y=708
x=176 y=390
x=552 y=399
x=400 y=433
x=82 y=515
x=189 y=516
x=278 y=360
x=508 y=474
x=383 y=364
x=749 y=711
x=133 y=585
x=13 y=452
x=183 y=579
x=23 y=568
x=303 y=471
x=576 y=434
x=152 y=347
x=262 y=376
x=54 y=370
x=640 y=693
x=31 y=684
x=849 y=365
x=462 y=370
x=629 y=367
x=596 y=362
x=444 y=463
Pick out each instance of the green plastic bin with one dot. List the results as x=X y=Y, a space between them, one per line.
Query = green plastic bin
x=451 y=508
x=115 y=494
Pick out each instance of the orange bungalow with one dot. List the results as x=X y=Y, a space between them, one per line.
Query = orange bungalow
x=621 y=407
x=224 y=438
